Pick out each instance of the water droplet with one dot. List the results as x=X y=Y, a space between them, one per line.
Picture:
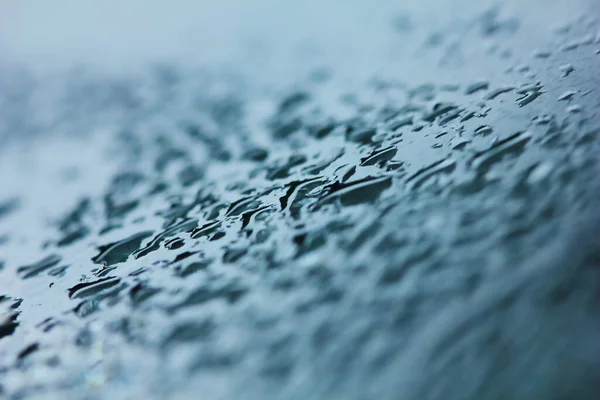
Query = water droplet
x=566 y=69
x=187 y=225
x=242 y=205
x=361 y=135
x=141 y=293
x=563 y=29
x=87 y=289
x=8 y=207
x=73 y=236
x=570 y=46
x=476 y=87
x=120 y=251
x=190 y=332
x=190 y=175
x=438 y=110
x=8 y=325
x=293 y=101
x=540 y=172
x=194 y=267
x=399 y=123
x=86 y=308
x=498 y=150
x=377 y=156
x=27 y=351
x=530 y=92
x=255 y=154
x=293 y=189
x=497 y=92
x=231 y=293
x=586 y=40
x=29 y=271
x=468 y=116
x=419 y=177
x=568 y=95
x=459 y=142
x=174 y=244
x=541 y=54
x=484 y=130
x=365 y=190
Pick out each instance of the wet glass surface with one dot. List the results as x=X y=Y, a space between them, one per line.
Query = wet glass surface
x=300 y=200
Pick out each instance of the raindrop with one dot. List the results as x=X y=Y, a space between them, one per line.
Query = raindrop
x=566 y=69
x=459 y=142
x=541 y=54
x=500 y=149
x=361 y=135
x=497 y=92
x=91 y=288
x=483 y=130
x=568 y=95
x=120 y=251
x=365 y=190
x=8 y=207
x=29 y=271
x=418 y=178
x=378 y=156
x=476 y=87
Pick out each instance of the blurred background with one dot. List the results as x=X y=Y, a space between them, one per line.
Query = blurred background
x=299 y=199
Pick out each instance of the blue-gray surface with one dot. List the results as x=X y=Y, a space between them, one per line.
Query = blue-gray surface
x=300 y=200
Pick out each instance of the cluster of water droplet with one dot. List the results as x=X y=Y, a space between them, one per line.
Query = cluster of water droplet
x=275 y=244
